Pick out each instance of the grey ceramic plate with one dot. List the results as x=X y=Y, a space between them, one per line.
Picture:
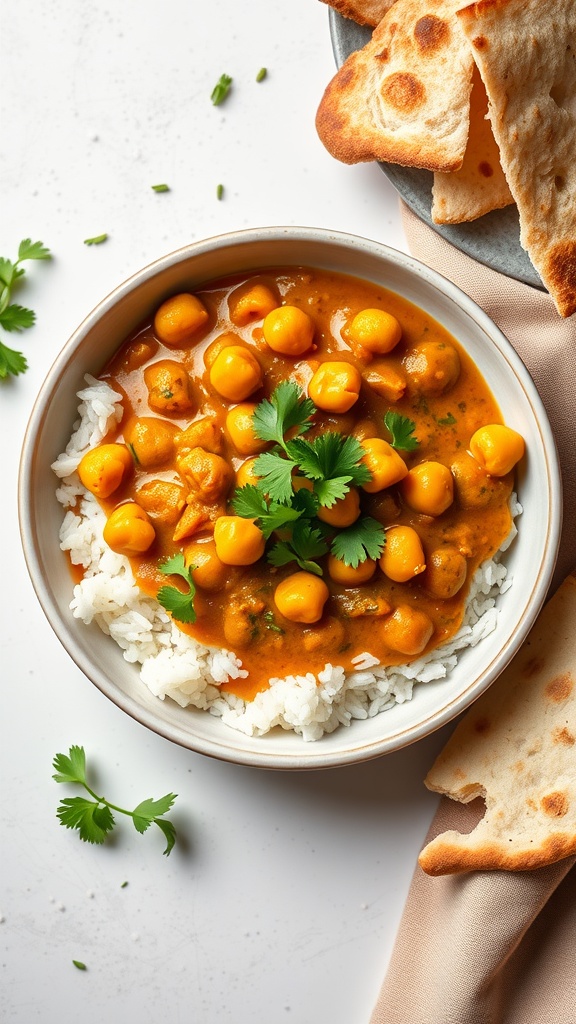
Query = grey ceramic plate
x=493 y=239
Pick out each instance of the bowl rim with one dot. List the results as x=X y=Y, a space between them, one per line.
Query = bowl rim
x=309 y=758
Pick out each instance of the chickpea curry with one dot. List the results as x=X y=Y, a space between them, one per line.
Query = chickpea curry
x=308 y=467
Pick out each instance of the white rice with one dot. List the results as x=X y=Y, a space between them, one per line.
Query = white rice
x=175 y=665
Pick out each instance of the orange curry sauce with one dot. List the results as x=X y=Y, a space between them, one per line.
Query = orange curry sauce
x=241 y=615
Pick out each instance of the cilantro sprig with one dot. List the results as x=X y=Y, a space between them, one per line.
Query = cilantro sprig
x=14 y=317
x=93 y=819
x=180 y=604
x=330 y=464
x=401 y=429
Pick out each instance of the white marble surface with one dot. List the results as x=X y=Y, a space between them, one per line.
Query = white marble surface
x=281 y=900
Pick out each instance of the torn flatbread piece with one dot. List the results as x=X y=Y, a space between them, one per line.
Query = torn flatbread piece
x=403 y=98
x=364 y=12
x=526 y=53
x=516 y=748
x=480 y=185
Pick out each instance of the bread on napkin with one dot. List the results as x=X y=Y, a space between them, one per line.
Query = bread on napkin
x=480 y=185
x=364 y=12
x=405 y=96
x=526 y=53
x=516 y=747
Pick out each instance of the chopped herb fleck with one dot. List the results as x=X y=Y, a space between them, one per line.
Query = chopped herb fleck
x=79 y=965
x=219 y=191
x=446 y=421
x=221 y=90
x=161 y=188
x=97 y=240
x=261 y=74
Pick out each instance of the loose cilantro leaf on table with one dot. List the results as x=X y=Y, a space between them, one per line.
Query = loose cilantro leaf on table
x=96 y=240
x=93 y=819
x=402 y=430
x=14 y=317
x=180 y=604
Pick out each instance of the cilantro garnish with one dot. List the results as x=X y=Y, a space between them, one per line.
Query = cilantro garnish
x=219 y=191
x=81 y=966
x=221 y=90
x=161 y=188
x=93 y=819
x=364 y=539
x=446 y=421
x=331 y=463
x=261 y=74
x=179 y=604
x=250 y=503
x=14 y=317
x=306 y=543
x=286 y=409
x=402 y=430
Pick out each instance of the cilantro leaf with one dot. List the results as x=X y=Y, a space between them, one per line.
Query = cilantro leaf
x=8 y=272
x=11 y=362
x=250 y=503
x=364 y=539
x=286 y=409
x=329 y=456
x=29 y=250
x=71 y=767
x=148 y=810
x=167 y=828
x=446 y=421
x=330 y=491
x=17 y=318
x=180 y=604
x=306 y=543
x=276 y=472
x=92 y=819
x=402 y=430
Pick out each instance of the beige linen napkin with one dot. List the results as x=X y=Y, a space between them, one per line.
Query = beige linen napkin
x=495 y=947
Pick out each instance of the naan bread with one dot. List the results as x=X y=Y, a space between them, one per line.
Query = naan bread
x=526 y=53
x=404 y=97
x=516 y=747
x=479 y=186
x=365 y=12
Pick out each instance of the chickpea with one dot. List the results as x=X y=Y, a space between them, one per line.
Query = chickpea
x=375 y=331
x=102 y=469
x=403 y=556
x=151 y=440
x=208 y=476
x=497 y=448
x=445 y=572
x=433 y=367
x=343 y=512
x=385 y=464
x=137 y=353
x=128 y=530
x=241 y=429
x=168 y=387
x=236 y=373
x=328 y=635
x=218 y=345
x=335 y=386
x=208 y=572
x=348 y=575
x=179 y=318
x=364 y=428
x=162 y=500
x=245 y=473
x=386 y=381
x=251 y=302
x=301 y=597
x=204 y=433
x=289 y=330
x=428 y=488
x=238 y=541
x=407 y=630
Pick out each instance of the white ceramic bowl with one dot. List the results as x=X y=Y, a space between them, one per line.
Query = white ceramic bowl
x=530 y=560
